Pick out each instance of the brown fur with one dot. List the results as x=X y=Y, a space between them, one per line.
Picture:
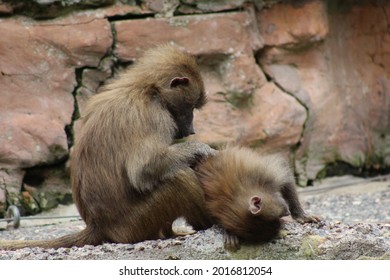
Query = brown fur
x=247 y=193
x=128 y=181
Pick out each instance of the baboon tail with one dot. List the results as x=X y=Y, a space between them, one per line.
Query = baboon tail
x=79 y=239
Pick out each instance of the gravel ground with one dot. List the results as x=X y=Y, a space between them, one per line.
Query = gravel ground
x=356 y=224
x=364 y=202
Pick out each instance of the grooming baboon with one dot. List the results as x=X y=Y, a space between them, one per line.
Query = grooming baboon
x=247 y=193
x=129 y=181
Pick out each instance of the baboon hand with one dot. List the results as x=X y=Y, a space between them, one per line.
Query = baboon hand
x=305 y=218
x=200 y=152
x=193 y=152
x=230 y=242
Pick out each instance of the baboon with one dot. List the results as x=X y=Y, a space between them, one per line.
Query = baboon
x=129 y=180
x=247 y=193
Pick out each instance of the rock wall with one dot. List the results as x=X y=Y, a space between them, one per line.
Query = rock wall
x=308 y=78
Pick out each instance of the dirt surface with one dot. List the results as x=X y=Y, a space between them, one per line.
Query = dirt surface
x=356 y=224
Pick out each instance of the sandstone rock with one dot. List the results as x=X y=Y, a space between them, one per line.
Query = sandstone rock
x=52 y=8
x=154 y=5
x=273 y=120
x=241 y=75
x=6 y=9
x=191 y=6
x=286 y=25
x=163 y=8
x=10 y=185
x=91 y=80
x=343 y=83
x=285 y=75
x=226 y=34
x=37 y=84
x=119 y=10
x=32 y=138
x=116 y=11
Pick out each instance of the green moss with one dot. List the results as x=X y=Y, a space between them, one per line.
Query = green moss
x=58 y=150
x=29 y=204
x=283 y=234
x=46 y=200
x=310 y=246
x=239 y=100
x=179 y=22
x=246 y=252
x=13 y=199
x=51 y=199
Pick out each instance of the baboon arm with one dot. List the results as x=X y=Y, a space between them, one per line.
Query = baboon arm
x=164 y=163
x=290 y=195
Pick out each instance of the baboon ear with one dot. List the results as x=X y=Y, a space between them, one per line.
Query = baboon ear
x=255 y=204
x=179 y=81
